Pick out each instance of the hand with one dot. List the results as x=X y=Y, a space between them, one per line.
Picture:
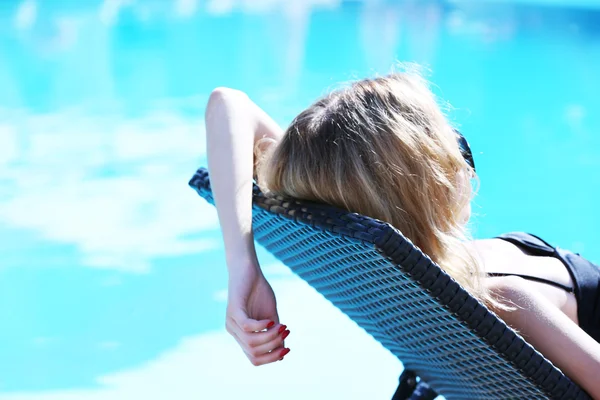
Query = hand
x=252 y=317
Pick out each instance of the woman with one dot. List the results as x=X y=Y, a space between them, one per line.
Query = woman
x=387 y=140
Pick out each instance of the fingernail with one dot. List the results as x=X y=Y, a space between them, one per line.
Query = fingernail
x=270 y=324
x=282 y=328
x=284 y=352
x=285 y=334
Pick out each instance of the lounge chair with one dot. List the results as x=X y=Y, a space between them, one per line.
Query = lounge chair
x=449 y=343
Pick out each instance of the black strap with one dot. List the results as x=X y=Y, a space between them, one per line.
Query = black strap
x=533 y=278
x=534 y=246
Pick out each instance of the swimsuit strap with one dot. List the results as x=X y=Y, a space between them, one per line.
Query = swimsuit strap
x=536 y=247
x=534 y=278
x=531 y=243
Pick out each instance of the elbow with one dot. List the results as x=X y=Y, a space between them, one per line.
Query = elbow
x=221 y=93
x=222 y=97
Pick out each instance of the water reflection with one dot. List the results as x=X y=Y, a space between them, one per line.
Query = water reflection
x=109 y=260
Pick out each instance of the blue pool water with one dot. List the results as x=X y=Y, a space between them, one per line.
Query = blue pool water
x=112 y=275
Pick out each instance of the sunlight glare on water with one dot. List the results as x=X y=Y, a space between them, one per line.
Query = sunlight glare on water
x=112 y=275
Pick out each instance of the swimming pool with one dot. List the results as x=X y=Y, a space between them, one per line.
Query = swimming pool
x=112 y=276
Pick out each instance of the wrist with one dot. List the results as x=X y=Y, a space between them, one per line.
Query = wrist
x=242 y=265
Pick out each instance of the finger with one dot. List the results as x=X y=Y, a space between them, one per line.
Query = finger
x=251 y=325
x=255 y=339
x=275 y=355
x=269 y=346
x=249 y=341
x=243 y=345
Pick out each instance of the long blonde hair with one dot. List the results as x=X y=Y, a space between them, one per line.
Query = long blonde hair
x=383 y=148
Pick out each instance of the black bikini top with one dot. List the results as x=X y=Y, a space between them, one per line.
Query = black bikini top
x=535 y=246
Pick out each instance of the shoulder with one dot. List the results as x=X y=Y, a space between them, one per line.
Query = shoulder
x=513 y=288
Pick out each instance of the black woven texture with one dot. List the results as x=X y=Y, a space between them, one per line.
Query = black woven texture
x=403 y=299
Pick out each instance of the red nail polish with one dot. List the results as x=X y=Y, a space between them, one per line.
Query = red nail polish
x=282 y=328
x=284 y=352
x=270 y=324
x=285 y=334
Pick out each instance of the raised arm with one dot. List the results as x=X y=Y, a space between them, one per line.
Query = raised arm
x=233 y=125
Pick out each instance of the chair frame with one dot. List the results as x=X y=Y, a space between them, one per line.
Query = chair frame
x=534 y=374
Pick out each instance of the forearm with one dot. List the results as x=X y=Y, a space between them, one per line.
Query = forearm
x=233 y=123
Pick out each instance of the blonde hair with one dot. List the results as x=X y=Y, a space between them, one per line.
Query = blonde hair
x=383 y=148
